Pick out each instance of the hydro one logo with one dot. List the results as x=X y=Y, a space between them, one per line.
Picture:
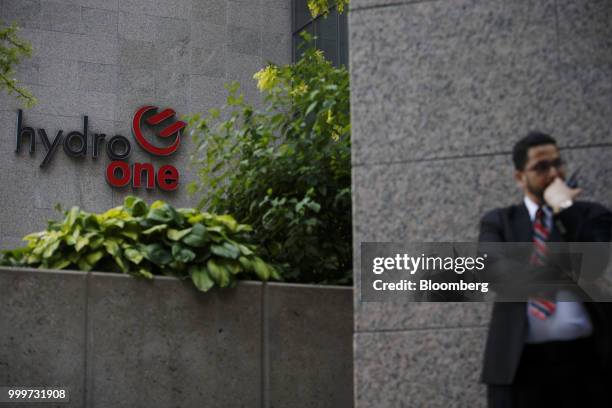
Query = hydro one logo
x=118 y=148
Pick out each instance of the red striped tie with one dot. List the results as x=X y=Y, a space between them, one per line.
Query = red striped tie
x=540 y=307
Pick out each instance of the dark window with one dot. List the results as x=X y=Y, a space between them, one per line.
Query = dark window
x=330 y=32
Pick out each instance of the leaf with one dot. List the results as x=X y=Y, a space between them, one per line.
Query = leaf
x=244 y=250
x=228 y=221
x=157 y=254
x=194 y=219
x=145 y=273
x=154 y=229
x=60 y=264
x=182 y=253
x=136 y=206
x=95 y=240
x=73 y=215
x=84 y=265
x=261 y=269
x=246 y=263
x=81 y=242
x=197 y=237
x=226 y=250
x=160 y=215
x=311 y=107
x=218 y=273
x=233 y=267
x=200 y=277
x=131 y=230
x=176 y=235
x=51 y=247
x=121 y=263
x=112 y=247
x=94 y=257
x=133 y=255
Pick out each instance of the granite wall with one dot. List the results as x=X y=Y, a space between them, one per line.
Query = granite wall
x=105 y=59
x=440 y=92
x=117 y=341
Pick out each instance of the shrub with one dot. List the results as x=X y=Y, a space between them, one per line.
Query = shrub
x=285 y=169
x=143 y=240
x=12 y=50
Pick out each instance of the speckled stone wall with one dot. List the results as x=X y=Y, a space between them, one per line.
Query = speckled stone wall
x=117 y=341
x=440 y=92
x=105 y=59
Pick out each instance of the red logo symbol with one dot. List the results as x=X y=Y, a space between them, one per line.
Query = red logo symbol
x=173 y=128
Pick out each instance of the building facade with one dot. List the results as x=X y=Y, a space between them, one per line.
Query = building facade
x=105 y=60
x=440 y=92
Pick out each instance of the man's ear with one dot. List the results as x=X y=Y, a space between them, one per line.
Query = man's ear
x=519 y=176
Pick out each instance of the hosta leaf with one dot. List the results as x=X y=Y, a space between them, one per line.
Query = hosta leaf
x=95 y=241
x=112 y=223
x=157 y=204
x=244 y=250
x=112 y=247
x=33 y=259
x=165 y=214
x=182 y=253
x=145 y=273
x=161 y=214
x=154 y=229
x=136 y=206
x=218 y=273
x=84 y=265
x=60 y=264
x=50 y=249
x=133 y=255
x=246 y=263
x=121 y=263
x=200 y=277
x=234 y=267
x=228 y=221
x=226 y=250
x=71 y=217
x=176 y=235
x=157 y=254
x=94 y=257
x=34 y=236
x=261 y=269
x=194 y=219
x=274 y=274
x=244 y=228
x=81 y=242
x=197 y=237
x=72 y=238
x=131 y=230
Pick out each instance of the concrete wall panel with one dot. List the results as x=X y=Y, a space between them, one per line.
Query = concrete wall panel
x=309 y=346
x=42 y=336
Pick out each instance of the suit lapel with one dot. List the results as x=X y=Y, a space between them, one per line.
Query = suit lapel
x=522 y=228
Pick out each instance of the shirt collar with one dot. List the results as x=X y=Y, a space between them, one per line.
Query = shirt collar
x=532 y=208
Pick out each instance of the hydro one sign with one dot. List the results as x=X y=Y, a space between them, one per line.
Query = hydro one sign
x=118 y=148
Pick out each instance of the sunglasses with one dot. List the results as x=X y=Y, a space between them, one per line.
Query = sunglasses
x=543 y=166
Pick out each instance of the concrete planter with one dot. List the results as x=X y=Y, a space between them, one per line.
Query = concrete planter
x=116 y=341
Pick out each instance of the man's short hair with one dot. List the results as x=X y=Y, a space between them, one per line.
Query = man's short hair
x=521 y=148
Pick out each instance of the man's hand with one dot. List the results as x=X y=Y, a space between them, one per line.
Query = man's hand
x=559 y=196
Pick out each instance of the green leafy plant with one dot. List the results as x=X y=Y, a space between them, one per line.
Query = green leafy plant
x=12 y=50
x=143 y=240
x=285 y=169
x=321 y=7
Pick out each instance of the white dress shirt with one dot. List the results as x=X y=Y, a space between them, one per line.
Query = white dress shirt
x=570 y=320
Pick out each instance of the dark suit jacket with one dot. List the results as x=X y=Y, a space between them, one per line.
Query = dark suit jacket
x=582 y=222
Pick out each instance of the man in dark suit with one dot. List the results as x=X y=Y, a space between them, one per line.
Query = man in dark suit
x=541 y=354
